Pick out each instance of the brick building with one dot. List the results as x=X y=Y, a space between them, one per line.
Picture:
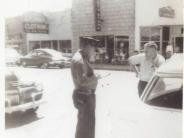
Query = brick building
x=110 y=21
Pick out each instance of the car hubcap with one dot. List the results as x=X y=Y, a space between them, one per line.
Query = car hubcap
x=44 y=66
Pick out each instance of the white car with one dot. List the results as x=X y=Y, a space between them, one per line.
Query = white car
x=164 y=97
x=157 y=114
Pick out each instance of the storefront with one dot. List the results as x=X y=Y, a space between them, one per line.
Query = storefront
x=111 y=22
x=162 y=23
x=40 y=30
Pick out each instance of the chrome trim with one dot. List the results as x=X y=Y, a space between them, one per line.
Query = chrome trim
x=24 y=106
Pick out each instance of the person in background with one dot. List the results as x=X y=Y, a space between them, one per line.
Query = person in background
x=85 y=82
x=148 y=61
x=97 y=56
x=102 y=54
x=169 y=51
x=123 y=52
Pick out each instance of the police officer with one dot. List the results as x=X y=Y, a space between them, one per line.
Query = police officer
x=85 y=82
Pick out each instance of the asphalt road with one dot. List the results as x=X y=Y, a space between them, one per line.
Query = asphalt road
x=57 y=117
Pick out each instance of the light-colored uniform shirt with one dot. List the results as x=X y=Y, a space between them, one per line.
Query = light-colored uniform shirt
x=147 y=67
x=82 y=73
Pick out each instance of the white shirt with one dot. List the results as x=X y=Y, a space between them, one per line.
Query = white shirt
x=147 y=67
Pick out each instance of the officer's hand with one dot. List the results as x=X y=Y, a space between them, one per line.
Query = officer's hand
x=94 y=82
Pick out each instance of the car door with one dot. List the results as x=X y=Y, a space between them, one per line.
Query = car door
x=30 y=59
x=43 y=57
x=163 y=102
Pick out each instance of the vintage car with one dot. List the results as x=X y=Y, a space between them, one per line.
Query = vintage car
x=156 y=114
x=44 y=58
x=21 y=96
x=164 y=94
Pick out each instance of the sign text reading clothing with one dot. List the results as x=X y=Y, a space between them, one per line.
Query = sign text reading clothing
x=36 y=28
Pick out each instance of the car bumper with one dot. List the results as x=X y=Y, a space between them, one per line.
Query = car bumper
x=24 y=106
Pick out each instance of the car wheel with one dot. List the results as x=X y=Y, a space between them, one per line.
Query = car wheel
x=23 y=64
x=44 y=66
x=61 y=66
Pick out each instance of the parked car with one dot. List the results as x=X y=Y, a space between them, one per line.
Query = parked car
x=68 y=55
x=164 y=96
x=12 y=57
x=158 y=114
x=21 y=96
x=44 y=58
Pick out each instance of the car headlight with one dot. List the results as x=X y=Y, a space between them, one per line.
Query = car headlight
x=39 y=87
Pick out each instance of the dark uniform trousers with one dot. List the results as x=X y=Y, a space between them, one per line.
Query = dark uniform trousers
x=85 y=103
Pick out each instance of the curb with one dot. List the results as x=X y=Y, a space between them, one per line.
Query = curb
x=118 y=68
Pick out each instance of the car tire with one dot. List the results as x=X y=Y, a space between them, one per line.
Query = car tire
x=44 y=65
x=61 y=66
x=23 y=64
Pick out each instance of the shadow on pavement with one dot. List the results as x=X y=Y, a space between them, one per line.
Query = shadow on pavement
x=19 y=119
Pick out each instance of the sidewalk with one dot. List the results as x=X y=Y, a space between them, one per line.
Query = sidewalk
x=112 y=67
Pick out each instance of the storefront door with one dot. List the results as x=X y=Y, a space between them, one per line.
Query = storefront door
x=165 y=39
x=110 y=48
x=179 y=44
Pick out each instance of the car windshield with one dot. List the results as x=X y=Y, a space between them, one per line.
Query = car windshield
x=166 y=92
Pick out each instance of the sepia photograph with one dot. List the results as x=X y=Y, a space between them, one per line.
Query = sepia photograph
x=93 y=69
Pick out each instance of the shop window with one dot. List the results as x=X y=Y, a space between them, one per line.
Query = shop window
x=121 y=49
x=34 y=45
x=46 y=44
x=179 y=45
x=155 y=34
x=149 y=34
x=55 y=45
x=65 y=46
x=145 y=34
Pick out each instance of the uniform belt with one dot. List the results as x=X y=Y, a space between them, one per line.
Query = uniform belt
x=85 y=92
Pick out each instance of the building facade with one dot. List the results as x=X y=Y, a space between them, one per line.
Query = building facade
x=35 y=30
x=110 y=21
x=160 y=21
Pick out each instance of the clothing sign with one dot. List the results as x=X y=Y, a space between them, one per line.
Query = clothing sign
x=36 y=28
x=97 y=15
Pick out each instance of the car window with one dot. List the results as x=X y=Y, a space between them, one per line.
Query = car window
x=33 y=53
x=167 y=92
x=44 y=54
x=40 y=53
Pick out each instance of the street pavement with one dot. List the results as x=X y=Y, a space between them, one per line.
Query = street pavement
x=57 y=117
